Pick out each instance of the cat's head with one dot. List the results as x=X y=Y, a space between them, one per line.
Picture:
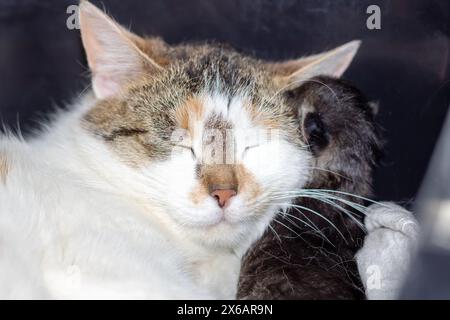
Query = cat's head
x=206 y=132
x=338 y=122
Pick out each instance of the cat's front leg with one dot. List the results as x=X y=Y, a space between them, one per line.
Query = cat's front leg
x=383 y=261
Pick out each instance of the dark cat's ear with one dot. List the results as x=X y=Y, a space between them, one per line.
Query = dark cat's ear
x=293 y=73
x=112 y=52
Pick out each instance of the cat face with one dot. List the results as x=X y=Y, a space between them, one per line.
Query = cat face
x=207 y=130
x=215 y=153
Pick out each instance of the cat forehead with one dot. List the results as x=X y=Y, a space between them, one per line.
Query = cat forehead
x=216 y=69
x=207 y=91
x=223 y=111
x=217 y=110
x=206 y=84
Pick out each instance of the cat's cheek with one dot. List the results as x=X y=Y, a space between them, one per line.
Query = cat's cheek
x=177 y=176
x=294 y=167
x=262 y=160
x=287 y=162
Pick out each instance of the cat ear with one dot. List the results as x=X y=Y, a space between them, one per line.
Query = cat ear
x=112 y=52
x=293 y=73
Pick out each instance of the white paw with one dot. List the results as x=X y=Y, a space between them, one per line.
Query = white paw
x=392 y=237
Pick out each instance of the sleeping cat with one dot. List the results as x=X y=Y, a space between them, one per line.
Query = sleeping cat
x=155 y=184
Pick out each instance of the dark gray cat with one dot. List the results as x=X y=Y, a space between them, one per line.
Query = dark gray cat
x=304 y=255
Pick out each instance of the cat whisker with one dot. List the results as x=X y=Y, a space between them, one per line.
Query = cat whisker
x=340 y=208
x=317 y=192
x=274 y=232
x=330 y=171
x=290 y=229
x=315 y=230
x=358 y=207
x=319 y=215
x=328 y=191
x=326 y=198
x=312 y=225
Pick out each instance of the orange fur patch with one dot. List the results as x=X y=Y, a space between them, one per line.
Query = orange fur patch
x=219 y=176
x=247 y=182
x=4 y=168
x=190 y=112
x=258 y=118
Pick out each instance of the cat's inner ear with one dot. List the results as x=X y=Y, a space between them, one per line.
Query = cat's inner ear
x=112 y=52
x=293 y=73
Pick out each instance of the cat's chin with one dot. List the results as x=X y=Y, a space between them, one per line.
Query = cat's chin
x=228 y=232
x=222 y=234
x=232 y=227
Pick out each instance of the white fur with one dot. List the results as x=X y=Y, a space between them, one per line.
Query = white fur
x=75 y=222
x=384 y=260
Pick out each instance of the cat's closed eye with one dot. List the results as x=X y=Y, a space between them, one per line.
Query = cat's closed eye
x=191 y=149
x=247 y=148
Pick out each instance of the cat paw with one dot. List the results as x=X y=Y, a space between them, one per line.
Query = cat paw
x=391 y=240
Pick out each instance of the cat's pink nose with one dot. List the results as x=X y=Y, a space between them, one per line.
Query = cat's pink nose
x=223 y=196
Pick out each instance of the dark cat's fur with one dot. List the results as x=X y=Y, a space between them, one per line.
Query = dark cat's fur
x=298 y=263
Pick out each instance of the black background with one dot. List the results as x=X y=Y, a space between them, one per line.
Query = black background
x=405 y=65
